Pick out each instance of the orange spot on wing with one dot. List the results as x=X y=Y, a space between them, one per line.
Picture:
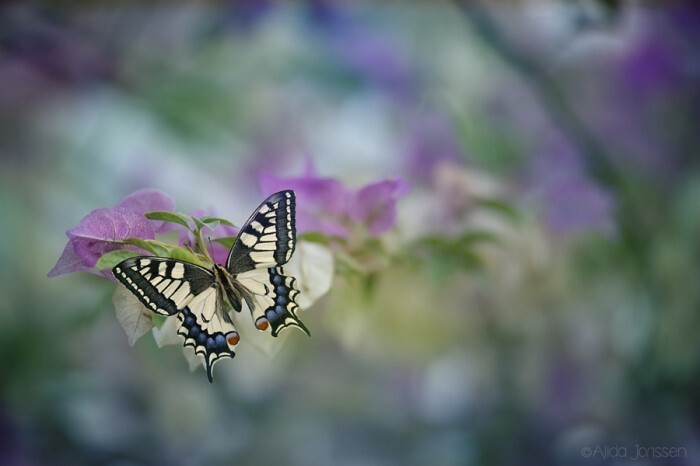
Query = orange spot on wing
x=262 y=323
x=232 y=338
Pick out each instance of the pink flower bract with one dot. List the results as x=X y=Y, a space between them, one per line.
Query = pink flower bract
x=102 y=231
x=328 y=206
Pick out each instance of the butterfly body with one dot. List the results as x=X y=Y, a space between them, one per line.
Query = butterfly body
x=198 y=295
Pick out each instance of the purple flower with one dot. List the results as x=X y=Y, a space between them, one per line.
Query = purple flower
x=147 y=200
x=575 y=205
x=651 y=67
x=640 y=113
x=102 y=231
x=326 y=205
x=375 y=205
x=320 y=201
x=571 y=202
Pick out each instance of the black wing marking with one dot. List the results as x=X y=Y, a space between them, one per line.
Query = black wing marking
x=168 y=287
x=272 y=299
x=268 y=237
x=203 y=328
x=165 y=286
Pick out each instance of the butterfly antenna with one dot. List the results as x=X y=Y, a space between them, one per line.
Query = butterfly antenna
x=211 y=248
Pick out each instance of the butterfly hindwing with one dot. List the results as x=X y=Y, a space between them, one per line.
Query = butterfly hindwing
x=169 y=287
x=212 y=336
x=268 y=238
x=274 y=299
x=165 y=286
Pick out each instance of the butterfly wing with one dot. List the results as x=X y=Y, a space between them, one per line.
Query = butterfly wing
x=272 y=299
x=268 y=238
x=211 y=333
x=169 y=287
x=265 y=243
x=165 y=286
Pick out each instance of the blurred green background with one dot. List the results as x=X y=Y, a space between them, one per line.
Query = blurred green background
x=539 y=292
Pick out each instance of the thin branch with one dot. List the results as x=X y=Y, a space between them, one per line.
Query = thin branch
x=594 y=154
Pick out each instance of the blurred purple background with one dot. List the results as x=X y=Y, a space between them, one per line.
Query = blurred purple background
x=511 y=194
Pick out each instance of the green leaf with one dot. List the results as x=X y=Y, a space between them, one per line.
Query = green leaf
x=199 y=223
x=112 y=258
x=154 y=247
x=186 y=255
x=226 y=241
x=468 y=239
x=446 y=245
x=211 y=224
x=487 y=145
x=445 y=256
x=171 y=217
x=347 y=262
x=443 y=264
x=222 y=221
x=369 y=285
x=500 y=207
x=313 y=237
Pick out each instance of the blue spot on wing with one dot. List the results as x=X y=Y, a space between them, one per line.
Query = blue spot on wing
x=212 y=346
x=282 y=313
x=276 y=279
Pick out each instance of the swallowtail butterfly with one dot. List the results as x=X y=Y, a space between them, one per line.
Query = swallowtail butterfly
x=253 y=273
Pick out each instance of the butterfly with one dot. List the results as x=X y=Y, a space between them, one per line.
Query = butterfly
x=198 y=295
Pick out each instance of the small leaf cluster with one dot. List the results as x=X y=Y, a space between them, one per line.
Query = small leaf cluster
x=197 y=253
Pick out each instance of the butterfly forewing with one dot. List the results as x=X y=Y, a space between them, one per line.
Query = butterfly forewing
x=165 y=286
x=268 y=238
